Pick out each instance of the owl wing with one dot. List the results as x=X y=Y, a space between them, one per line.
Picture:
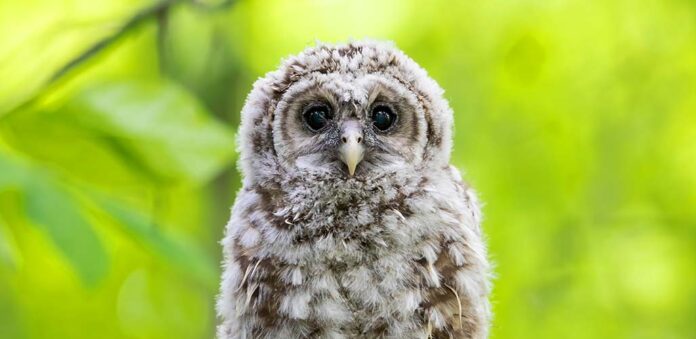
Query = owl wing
x=456 y=305
x=242 y=281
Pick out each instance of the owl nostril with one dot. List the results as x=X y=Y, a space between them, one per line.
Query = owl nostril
x=345 y=139
x=351 y=133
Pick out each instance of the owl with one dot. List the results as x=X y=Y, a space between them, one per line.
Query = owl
x=351 y=223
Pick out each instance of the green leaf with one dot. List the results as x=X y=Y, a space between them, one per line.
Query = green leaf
x=57 y=144
x=159 y=126
x=184 y=256
x=12 y=177
x=56 y=213
x=155 y=304
x=63 y=32
x=8 y=248
x=12 y=174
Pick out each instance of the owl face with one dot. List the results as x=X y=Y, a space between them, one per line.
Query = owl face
x=357 y=110
x=349 y=125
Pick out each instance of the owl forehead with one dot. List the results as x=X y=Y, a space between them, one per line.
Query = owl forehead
x=347 y=89
x=344 y=87
x=341 y=88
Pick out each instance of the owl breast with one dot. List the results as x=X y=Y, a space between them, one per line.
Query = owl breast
x=308 y=257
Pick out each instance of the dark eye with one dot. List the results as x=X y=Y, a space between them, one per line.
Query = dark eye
x=317 y=117
x=383 y=117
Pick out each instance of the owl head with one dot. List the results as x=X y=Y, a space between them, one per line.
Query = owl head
x=342 y=112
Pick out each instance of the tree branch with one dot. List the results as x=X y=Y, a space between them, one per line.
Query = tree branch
x=138 y=18
x=134 y=21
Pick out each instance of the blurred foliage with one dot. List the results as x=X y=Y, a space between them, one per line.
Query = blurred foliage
x=576 y=121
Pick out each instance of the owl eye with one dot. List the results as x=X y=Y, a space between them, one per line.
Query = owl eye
x=383 y=117
x=317 y=117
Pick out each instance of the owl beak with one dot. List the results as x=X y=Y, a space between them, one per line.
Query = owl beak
x=352 y=148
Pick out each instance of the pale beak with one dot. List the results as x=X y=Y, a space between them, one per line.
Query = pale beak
x=352 y=148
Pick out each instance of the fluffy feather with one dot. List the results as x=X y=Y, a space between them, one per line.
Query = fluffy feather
x=395 y=251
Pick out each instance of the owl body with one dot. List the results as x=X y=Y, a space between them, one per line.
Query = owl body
x=321 y=245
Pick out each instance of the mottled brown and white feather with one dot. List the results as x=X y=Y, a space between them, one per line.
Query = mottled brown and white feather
x=395 y=251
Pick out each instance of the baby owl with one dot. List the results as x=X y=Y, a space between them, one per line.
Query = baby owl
x=351 y=223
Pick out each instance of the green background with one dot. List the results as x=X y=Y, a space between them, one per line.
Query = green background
x=575 y=120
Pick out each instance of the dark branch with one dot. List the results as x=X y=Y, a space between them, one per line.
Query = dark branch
x=158 y=10
x=162 y=34
x=138 y=18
